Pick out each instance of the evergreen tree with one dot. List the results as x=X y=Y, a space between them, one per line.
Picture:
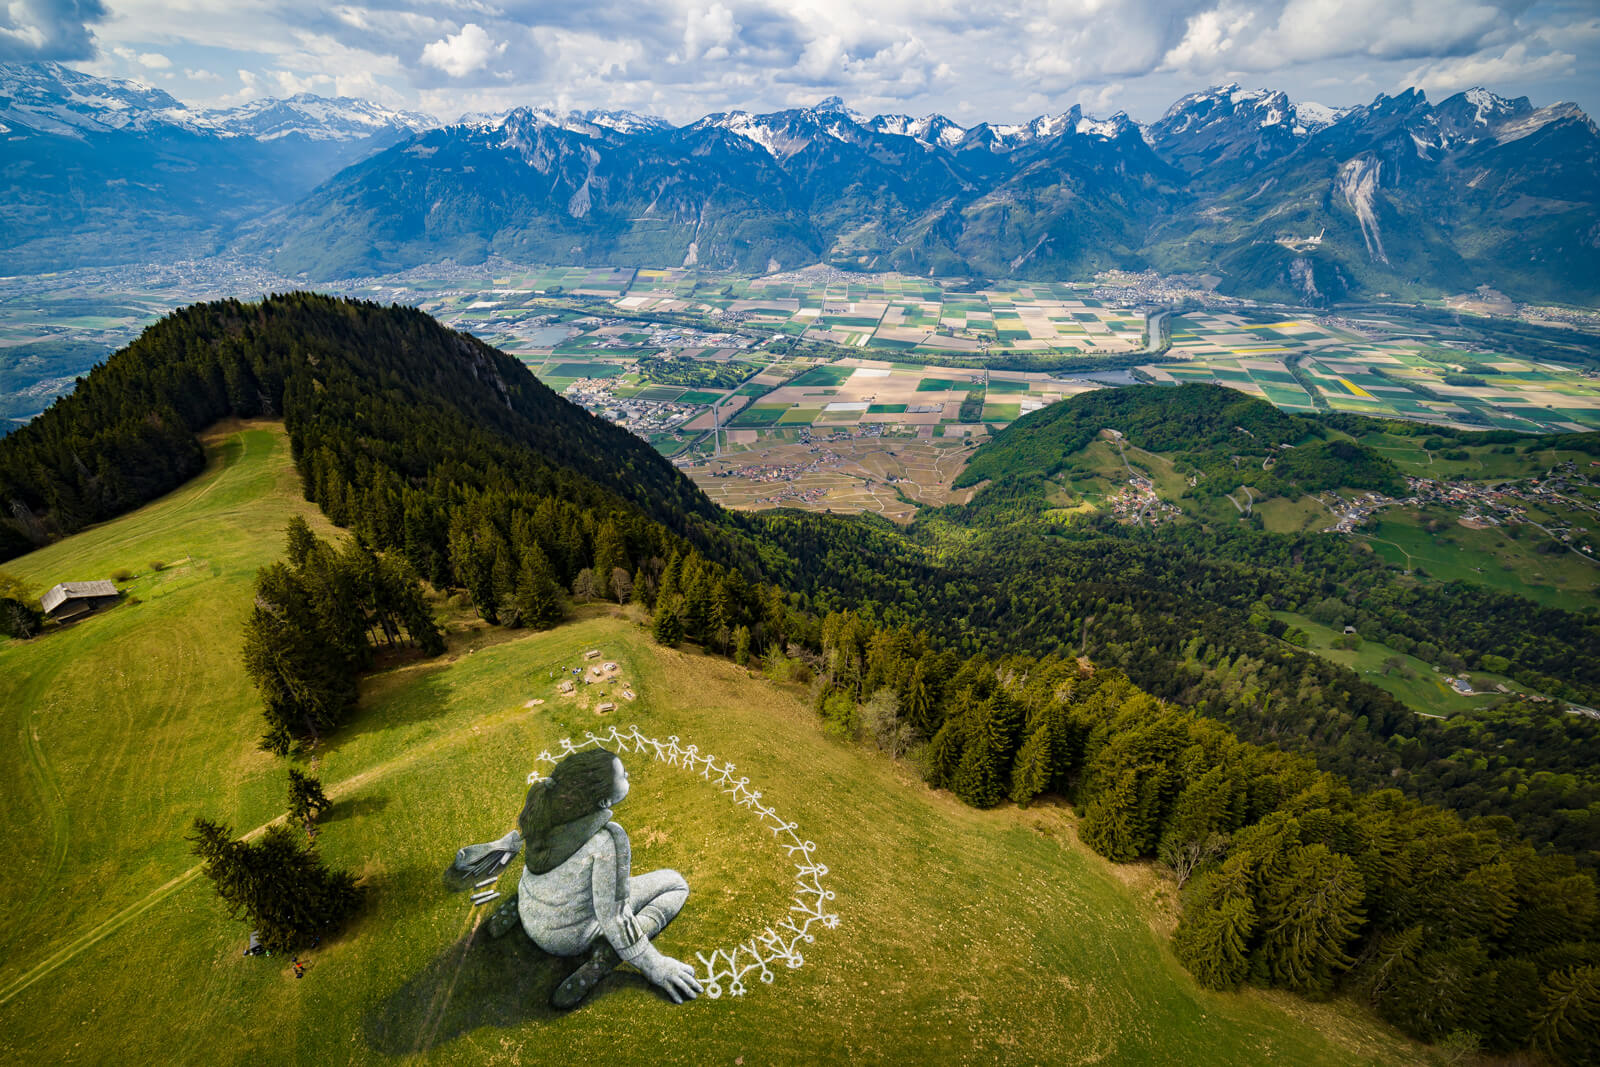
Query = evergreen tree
x=1309 y=917
x=980 y=778
x=502 y=581
x=19 y=608
x=1566 y=1023
x=949 y=745
x=667 y=628
x=741 y=646
x=300 y=541
x=304 y=679
x=1112 y=825
x=609 y=554
x=1217 y=926
x=307 y=801
x=1034 y=768
x=278 y=885
x=643 y=588
x=538 y=601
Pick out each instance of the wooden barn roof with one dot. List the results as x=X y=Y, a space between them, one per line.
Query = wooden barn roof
x=66 y=591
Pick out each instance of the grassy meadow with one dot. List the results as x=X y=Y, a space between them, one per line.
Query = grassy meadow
x=964 y=936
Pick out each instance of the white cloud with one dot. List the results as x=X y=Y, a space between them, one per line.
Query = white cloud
x=1101 y=101
x=707 y=33
x=821 y=57
x=1005 y=61
x=1490 y=69
x=154 y=61
x=1209 y=39
x=459 y=54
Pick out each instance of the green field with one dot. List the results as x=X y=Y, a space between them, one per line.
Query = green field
x=585 y=370
x=1413 y=682
x=1489 y=557
x=825 y=375
x=965 y=936
x=759 y=415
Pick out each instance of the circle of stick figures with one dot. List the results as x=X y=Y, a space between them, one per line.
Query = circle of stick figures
x=778 y=946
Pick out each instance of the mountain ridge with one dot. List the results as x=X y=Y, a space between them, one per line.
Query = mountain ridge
x=1279 y=199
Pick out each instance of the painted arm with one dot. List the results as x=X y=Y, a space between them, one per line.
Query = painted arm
x=617 y=924
x=609 y=881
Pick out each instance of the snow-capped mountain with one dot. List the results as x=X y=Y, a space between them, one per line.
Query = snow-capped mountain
x=929 y=129
x=105 y=170
x=315 y=118
x=51 y=99
x=1229 y=129
x=1283 y=198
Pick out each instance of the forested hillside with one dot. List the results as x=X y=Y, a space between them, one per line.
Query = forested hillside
x=382 y=404
x=957 y=640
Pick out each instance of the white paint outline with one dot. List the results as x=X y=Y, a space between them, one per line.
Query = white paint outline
x=810 y=896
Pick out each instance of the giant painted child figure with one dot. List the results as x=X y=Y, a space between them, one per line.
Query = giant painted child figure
x=576 y=894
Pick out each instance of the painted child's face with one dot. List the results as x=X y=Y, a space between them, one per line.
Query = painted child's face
x=619 y=783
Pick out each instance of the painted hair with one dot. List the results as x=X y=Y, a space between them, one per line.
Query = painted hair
x=578 y=787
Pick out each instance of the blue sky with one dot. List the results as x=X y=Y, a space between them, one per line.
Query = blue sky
x=970 y=60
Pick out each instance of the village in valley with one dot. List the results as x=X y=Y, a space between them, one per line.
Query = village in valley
x=833 y=390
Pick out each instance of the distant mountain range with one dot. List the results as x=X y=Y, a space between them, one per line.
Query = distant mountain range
x=101 y=171
x=1274 y=198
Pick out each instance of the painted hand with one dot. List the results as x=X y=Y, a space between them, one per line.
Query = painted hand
x=675 y=977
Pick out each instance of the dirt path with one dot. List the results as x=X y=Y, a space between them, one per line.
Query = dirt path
x=116 y=921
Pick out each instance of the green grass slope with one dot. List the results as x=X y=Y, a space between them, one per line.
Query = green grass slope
x=964 y=935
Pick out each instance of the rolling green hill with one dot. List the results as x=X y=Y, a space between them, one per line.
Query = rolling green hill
x=964 y=936
x=971 y=621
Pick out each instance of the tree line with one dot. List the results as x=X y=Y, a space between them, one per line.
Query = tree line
x=1447 y=926
x=314 y=625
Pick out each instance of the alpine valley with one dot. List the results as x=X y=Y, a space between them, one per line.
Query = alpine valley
x=1272 y=198
x=1153 y=569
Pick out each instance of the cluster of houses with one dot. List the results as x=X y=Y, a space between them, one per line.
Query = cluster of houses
x=640 y=416
x=1480 y=504
x=1138 y=503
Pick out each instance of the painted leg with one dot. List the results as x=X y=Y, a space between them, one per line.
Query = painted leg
x=505 y=918
x=656 y=898
x=603 y=959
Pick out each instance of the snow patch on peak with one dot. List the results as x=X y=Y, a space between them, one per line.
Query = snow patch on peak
x=1107 y=128
x=1312 y=116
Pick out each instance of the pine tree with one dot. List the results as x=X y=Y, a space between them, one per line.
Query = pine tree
x=667 y=628
x=1567 y=1021
x=1033 y=770
x=1309 y=916
x=537 y=602
x=304 y=680
x=307 y=801
x=278 y=885
x=301 y=541
x=502 y=582
x=609 y=554
x=980 y=778
x=1111 y=825
x=949 y=744
x=1217 y=926
x=741 y=646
